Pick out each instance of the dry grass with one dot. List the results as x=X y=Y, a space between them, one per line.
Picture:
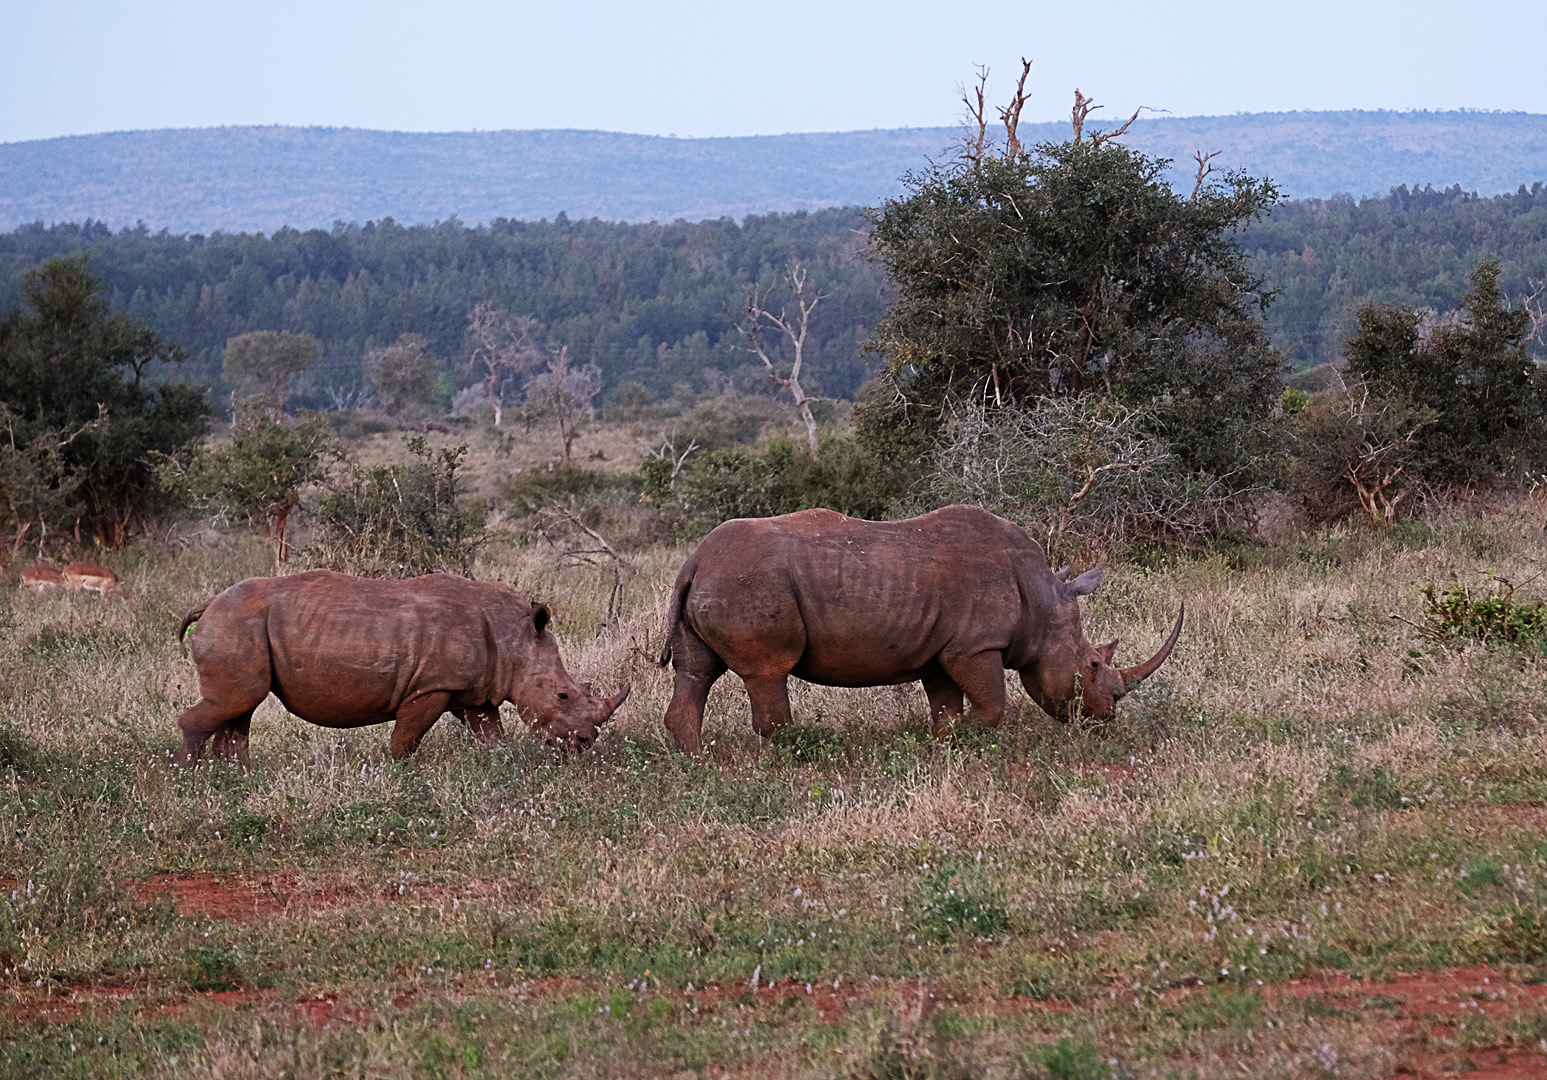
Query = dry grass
x=1307 y=787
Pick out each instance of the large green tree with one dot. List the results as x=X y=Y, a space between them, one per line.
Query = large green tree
x=267 y=361
x=1069 y=269
x=75 y=376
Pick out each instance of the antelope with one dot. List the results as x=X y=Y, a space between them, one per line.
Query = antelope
x=90 y=577
x=40 y=579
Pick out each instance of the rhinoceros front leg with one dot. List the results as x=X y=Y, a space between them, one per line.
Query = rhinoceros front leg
x=485 y=725
x=697 y=666
x=414 y=719
x=945 y=702
x=981 y=678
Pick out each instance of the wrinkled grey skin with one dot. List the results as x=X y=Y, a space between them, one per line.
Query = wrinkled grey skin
x=341 y=651
x=950 y=599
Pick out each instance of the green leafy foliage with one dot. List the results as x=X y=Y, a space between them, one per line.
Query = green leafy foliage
x=400 y=520
x=810 y=744
x=1471 y=368
x=265 y=361
x=82 y=419
x=1066 y=1059
x=957 y=900
x=1076 y=269
x=408 y=378
x=260 y=472
x=778 y=478
x=1486 y=611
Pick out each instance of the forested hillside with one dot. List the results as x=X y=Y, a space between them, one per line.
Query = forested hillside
x=657 y=304
x=265 y=178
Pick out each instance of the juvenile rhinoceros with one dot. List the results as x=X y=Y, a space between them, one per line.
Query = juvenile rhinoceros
x=950 y=599
x=343 y=651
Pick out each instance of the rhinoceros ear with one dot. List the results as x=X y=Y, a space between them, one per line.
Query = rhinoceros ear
x=1062 y=573
x=539 y=619
x=1107 y=651
x=1086 y=583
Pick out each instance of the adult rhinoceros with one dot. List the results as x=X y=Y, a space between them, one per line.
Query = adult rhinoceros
x=950 y=599
x=343 y=651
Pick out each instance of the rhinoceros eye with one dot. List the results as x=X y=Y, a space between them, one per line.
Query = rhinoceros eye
x=563 y=696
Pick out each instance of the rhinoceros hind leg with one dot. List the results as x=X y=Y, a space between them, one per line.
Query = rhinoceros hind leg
x=945 y=702
x=231 y=740
x=485 y=725
x=413 y=720
x=697 y=666
x=211 y=718
x=770 y=695
x=981 y=678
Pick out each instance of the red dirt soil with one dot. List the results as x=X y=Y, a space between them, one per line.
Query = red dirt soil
x=233 y=898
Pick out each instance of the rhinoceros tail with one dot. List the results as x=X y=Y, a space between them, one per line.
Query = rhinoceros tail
x=188 y=620
x=679 y=595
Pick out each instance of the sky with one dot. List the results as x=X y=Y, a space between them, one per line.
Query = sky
x=70 y=67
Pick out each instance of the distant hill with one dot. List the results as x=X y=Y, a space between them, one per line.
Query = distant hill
x=262 y=178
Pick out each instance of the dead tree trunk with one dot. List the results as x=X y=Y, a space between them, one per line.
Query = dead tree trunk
x=795 y=329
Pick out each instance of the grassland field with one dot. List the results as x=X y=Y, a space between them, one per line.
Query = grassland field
x=1313 y=845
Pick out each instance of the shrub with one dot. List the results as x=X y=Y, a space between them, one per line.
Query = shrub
x=83 y=422
x=1486 y=611
x=1355 y=449
x=399 y=520
x=1470 y=369
x=260 y=472
x=408 y=378
x=811 y=744
x=1076 y=471
x=780 y=478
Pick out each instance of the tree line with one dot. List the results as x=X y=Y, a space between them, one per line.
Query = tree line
x=658 y=304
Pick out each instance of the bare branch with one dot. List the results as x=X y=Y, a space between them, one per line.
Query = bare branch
x=1083 y=107
x=977 y=113
x=618 y=563
x=667 y=452
x=1204 y=171
x=1011 y=113
x=1099 y=137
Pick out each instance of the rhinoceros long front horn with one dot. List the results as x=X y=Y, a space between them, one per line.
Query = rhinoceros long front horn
x=610 y=705
x=1133 y=676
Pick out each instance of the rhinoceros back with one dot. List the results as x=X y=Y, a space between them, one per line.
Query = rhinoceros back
x=863 y=602
x=344 y=651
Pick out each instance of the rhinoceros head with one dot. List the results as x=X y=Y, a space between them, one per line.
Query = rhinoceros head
x=1070 y=672
x=563 y=711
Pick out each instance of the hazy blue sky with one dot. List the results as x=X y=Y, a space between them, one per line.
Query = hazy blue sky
x=691 y=68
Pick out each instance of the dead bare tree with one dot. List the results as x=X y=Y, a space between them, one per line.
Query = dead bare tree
x=500 y=347
x=1083 y=107
x=1010 y=114
x=567 y=392
x=977 y=114
x=794 y=328
x=1536 y=307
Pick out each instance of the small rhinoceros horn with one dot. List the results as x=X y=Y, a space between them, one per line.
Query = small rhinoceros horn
x=1133 y=676
x=611 y=705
